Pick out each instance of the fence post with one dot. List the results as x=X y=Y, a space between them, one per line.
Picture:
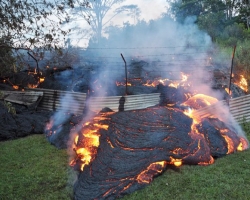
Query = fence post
x=126 y=74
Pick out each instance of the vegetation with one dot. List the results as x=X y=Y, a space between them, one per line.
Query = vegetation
x=29 y=24
x=31 y=168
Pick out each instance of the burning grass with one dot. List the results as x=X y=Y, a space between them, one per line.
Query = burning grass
x=31 y=168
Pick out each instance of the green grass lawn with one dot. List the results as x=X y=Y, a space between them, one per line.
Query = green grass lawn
x=31 y=168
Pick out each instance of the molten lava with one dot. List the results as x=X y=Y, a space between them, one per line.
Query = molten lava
x=199 y=101
x=86 y=142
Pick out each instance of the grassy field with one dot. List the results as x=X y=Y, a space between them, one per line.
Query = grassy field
x=31 y=168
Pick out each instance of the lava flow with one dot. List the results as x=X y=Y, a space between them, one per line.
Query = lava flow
x=126 y=150
x=135 y=146
x=117 y=153
x=87 y=141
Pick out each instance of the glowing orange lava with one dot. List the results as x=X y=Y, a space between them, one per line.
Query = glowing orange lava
x=87 y=141
x=230 y=143
x=243 y=144
x=147 y=175
x=176 y=162
x=199 y=101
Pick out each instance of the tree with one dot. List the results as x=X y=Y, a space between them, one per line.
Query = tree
x=244 y=12
x=30 y=24
x=96 y=10
x=6 y=58
x=184 y=8
x=181 y=9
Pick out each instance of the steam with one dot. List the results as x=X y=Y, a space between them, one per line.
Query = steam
x=168 y=48
x=55 y=126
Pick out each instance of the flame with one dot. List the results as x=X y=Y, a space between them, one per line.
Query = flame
x=243 y=83
x=156 y=82
x=175 y=85
x=227 y=90
x=87 y=141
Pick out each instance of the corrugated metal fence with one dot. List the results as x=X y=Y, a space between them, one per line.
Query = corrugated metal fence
x=56 y=100
x=239 y=107
x=76 y=101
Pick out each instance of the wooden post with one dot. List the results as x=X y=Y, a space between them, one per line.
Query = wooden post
x=126 y=74
x=230 y=79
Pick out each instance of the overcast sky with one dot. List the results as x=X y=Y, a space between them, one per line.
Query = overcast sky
x=149 y=10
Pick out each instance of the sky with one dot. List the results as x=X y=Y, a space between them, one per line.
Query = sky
x=149 y=9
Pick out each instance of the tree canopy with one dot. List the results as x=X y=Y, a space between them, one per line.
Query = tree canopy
x=28 y=24
x=228 y=9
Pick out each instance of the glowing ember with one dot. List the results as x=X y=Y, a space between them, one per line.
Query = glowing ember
x=16 y=87
x=122 y=84
x=156 y=82
x=33 y=85
x=41 y=79
x=166 y=81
